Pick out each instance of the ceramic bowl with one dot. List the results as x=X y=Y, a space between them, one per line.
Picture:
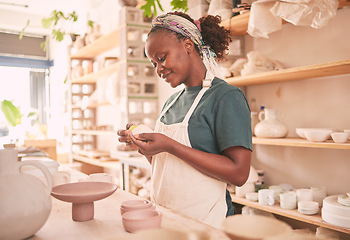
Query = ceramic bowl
x=141 y=219
x=132 y=205
x=317 y=135
x=254 y=227
x=252 y=196
x=164 y=233
x=340 y=137
x=347 y=131
x=308 y=207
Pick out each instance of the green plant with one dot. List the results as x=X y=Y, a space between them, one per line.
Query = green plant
x=51 y=22
x=178 y=5
x=11 y=112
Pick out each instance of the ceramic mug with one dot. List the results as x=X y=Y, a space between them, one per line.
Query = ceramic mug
x=266 y=197
x=288 y=200
x=60 y=177
x=101 y=177
x=304 y=194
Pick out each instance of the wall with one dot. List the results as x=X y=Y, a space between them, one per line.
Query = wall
x=321 y=102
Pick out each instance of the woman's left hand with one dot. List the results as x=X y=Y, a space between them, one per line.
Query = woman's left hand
x=150 y=144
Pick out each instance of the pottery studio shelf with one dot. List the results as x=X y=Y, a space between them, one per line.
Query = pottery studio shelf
x=238 y=25
x=293 y=214
x=291 y=74
x=92 y=77
x=111 y=164
x=93 y=132
x=299 y=142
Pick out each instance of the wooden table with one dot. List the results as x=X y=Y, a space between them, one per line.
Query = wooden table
x=107 y=222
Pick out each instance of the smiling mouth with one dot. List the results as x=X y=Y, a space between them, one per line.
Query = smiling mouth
x=165 y=77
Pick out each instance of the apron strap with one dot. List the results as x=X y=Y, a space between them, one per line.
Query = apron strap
x=206 y=85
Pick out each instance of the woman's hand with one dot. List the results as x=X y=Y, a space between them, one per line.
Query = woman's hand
x=150 y=144
x=124 y=136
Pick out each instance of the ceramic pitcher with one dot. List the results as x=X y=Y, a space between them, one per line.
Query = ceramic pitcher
x=270 y=125
x=25 y=201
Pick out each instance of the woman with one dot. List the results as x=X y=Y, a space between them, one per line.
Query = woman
x=202 y=139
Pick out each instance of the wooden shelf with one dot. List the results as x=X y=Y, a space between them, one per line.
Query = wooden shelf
x=238 y=25
x=92 y=78
x=299 y=142
x=92 y=132
x=101 y=45
x=92 y=105
x=106 y=164
x=293 y=214
x=291 y=74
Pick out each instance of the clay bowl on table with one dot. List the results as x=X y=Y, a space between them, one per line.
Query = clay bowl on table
x=254 y=227
x=132 y=205
x=141 y=219
x=82 y=195
x=164 y=234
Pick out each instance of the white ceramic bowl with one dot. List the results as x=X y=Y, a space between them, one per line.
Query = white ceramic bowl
x=317 y=135
x=347 y=131
x=252 y=196
x=331 y=205
x=254 y=227
x=340 y=137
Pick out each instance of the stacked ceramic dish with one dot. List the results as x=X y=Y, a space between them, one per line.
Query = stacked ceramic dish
x=308 y=207
x=336 y=210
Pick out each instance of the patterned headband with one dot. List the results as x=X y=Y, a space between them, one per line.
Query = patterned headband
x=186 y=28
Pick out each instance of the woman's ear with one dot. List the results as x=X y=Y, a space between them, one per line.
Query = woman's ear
x=189 y=45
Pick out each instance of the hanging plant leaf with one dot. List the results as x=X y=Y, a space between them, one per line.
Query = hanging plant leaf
x=11 y=113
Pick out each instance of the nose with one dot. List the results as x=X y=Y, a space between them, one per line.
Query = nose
x=160 y=69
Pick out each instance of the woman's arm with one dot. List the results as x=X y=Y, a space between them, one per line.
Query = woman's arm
x=232 y=167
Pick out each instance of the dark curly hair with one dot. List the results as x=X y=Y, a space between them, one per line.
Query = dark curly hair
x=214 y=35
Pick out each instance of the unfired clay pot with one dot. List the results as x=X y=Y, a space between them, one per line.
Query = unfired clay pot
x=133 y=205
x=82 y=195
x=141 y=219
x=25 y=201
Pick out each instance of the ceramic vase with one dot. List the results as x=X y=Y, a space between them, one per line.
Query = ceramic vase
x=25 y=201
x=270 y=126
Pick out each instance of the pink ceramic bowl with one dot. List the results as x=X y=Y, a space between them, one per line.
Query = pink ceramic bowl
x=141 y=219
x=132 y=205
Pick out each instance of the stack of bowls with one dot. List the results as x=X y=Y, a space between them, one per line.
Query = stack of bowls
x=337 y=212
x=140 y=214
x=315 y=134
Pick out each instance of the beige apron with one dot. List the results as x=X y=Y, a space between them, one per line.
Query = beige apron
x=180 y=187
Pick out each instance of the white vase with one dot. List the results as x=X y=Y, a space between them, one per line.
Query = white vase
x=25 y=201
x=270 y=125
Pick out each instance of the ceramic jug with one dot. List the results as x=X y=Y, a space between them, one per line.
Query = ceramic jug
x=270 y=125
x=25 y=201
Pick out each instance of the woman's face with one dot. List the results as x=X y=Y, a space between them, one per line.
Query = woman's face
x=170 y=57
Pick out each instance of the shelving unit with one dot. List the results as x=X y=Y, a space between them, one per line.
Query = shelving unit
x=293 y=74
x=293 y=214
x=137 y=86
x=238 y=25
x=299 y=142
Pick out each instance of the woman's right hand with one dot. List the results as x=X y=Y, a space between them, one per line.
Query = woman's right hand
x=124 y=137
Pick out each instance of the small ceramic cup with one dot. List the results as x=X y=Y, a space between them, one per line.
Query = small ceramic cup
x=60 y=177
x=277 y=191
x=304 y=194
x=101 y=177
x=318 y=194
x=288 y=200
x=266 y=197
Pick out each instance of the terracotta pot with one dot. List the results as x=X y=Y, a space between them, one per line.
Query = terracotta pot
x=25 y=200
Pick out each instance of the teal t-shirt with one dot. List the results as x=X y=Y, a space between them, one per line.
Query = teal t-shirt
x=221 y=119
